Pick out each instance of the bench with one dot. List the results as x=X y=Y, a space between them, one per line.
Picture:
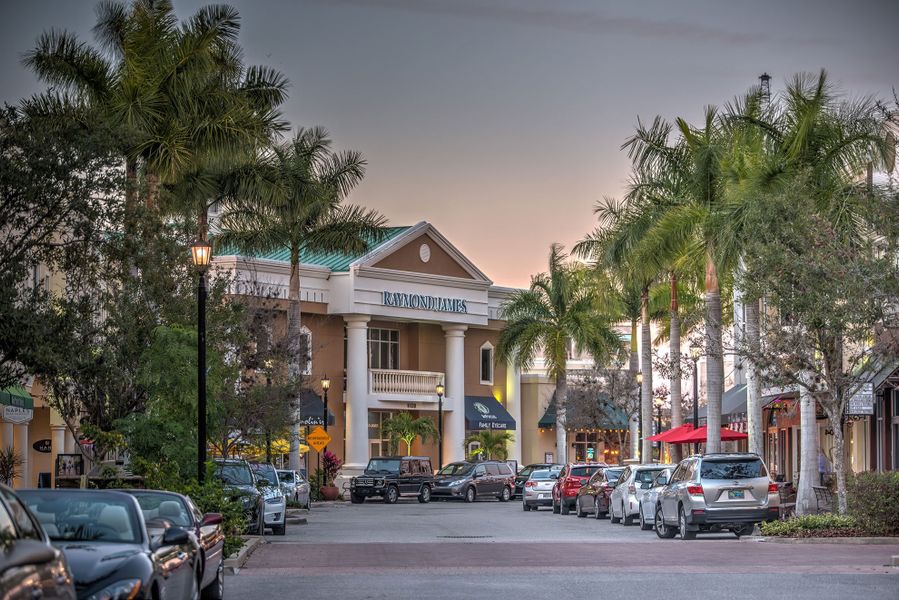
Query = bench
x=787 y=506
x=823 y=499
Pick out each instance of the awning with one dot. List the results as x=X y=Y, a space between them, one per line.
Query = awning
x=614 y=418
x=312 y=409
x=680 y=430
x=484 y=412
x=700 y=435
x=733 y=402
x=16 y=395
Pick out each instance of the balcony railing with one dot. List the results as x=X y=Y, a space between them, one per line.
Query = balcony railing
x=392 y=382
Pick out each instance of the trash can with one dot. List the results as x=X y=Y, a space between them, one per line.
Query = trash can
x=43 y=480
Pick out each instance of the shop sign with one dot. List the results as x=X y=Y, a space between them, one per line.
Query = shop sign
x=862 y=402
x=43 y=446
x=424 y=302
x=17 y=414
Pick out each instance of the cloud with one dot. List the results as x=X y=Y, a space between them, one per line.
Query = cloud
x=581 y=21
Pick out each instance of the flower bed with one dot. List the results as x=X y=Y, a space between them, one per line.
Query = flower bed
x=826 y=525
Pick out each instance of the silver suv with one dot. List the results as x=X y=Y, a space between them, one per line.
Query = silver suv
x=715 y=492
x=624 y=503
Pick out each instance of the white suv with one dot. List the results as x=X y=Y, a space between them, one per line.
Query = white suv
x=275 y=514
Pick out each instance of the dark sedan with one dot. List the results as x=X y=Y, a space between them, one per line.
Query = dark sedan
x=30 y=567
x=109 y=549
x=207 y=529
x=593 y=497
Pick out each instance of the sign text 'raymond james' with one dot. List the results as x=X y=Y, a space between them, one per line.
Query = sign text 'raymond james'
x=424 y=302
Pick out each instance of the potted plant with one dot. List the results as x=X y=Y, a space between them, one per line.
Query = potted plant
x=330 y=465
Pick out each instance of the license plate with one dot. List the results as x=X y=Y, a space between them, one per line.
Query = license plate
x=736 y=494
x=541 y=496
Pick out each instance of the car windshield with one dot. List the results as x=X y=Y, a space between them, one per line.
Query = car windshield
x=748 y=468
x=456 y=469
x=584 y=471
x=85 y=516
x=285 y=476
x=234 y=474
x=646 y=475
x=613 y=474
x=383 y=465
x=265 y=471
x=542 y=475
x=163 y=506
x=526 y=471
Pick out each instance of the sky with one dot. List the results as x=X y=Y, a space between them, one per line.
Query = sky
x=501 y=121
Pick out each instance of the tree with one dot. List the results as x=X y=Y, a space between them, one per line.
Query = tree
x=560 y=309
x=292 y=199
x=403 y=427
x=10 y=465
x=493 y=445
x=604 y=399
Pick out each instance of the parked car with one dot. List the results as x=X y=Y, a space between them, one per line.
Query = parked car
x=714 y=492
x=593 y=497
x=110 y=549
x=473 y=480
x=238 y=479
x=571 y=478
x=390 y=477
x=275 y=511
x=525 y=473
x=206 y=528
x=538 y=489
x=295 y=486
x=651 y=495
x=624 y=502
x=30 y=566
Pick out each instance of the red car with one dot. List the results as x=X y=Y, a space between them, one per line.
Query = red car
x=571 y=478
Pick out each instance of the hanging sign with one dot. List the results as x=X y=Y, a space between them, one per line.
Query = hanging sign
x=42 y=446
x=862 y=402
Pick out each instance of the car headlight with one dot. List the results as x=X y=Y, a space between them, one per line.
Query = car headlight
x=457 y=483
x=379 y=482
x=247 y=501
x=274 y=500
x=125 y=589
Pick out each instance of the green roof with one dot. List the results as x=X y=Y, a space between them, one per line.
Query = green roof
x=336 y=261
x=16 y=395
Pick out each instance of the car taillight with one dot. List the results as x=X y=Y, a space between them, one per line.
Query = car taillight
x=632 y=489
x=530 y=484
x=572 y=483
x=694 y=490
x=772 y=488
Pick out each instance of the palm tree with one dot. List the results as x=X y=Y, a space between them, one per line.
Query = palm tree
x=403 y=427
x=561 y=308
x=293 y=198
x=492 y=444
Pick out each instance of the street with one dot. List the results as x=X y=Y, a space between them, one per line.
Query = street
x=490 y=549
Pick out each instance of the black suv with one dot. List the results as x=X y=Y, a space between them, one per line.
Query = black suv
x=393 y=476
x=239 y=480
x=471 y=480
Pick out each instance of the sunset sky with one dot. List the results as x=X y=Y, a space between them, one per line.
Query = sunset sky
x=500 y=121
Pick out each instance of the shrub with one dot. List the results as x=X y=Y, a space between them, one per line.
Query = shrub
x=826 y=525
x=874 y=502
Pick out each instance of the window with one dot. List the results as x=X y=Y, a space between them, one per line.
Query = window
x=379 y=444
x=487 y=363
x=480 y=471
x=505 y=469
x=383 y=349
x=306 y=349
x=732 y=469
x=492 y=469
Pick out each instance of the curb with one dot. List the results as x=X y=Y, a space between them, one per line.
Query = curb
x=295 y=521
x=233 y=564
x=849 y=541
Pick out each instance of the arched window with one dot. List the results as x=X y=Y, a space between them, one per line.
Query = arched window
x=486 y=363
x=306 y=349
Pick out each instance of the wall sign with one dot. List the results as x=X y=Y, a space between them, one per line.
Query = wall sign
x=862 y=402
x=17 y=414
x=43 y=446
x=424 y=302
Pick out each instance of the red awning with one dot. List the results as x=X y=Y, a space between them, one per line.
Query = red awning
x=700 y=435
x=678 y=431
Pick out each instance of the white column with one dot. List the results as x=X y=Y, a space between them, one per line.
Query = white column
x=22 y=448
x=454 y=420
x=57 y=446
x=6 y=435
x=513 y=405
x=356 y=425
x=70 y=442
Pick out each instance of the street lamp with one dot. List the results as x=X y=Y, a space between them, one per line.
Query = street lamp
x=201 y=253
x=440 y=391
x=326 y=385
x=640 y=413
x=659 y=403
x=695 y=353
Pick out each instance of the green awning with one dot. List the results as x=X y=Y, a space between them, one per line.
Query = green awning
x=16 y=395
x=613 y=418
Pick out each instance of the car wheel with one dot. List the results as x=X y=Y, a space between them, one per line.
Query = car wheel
x=357 y=499
x=685 y=533
x=643 y=524
x=578 y=510
x=556 y=508
x=425 y=496
x=280 y=529
x=525 y=507
x=626 y=519
x=505 y=495
x=744 y=530
x=216 y=589
x=612 y=514
x=470 y=494
x=260 y=522
x=564 y=508
x=662 y=530
x=392 y=495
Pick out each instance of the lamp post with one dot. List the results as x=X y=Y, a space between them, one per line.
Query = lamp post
x=201 y=252
x=659 y=402
x=695 y=353
x=440 y=391
x=640 y=413
x=326 y=385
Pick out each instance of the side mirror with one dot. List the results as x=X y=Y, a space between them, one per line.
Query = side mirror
x=212 y=519
x=553 y=475
x=477 y=475
x=175 y=536
x=662 y=481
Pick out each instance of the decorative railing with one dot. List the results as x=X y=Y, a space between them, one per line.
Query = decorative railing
x=412 y=383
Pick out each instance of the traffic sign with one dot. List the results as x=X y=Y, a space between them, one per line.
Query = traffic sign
x=318 y=439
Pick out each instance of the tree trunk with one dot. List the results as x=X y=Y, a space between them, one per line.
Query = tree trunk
x=203 y=224
x=152 y=190
x=677 y=418
x=714 y=357
x=808 y=453
x=130 y=194
x=632 y=418
x=561 y=433
x=646 y=369
x=754 y=417
x=296 y=358
x=839 y=461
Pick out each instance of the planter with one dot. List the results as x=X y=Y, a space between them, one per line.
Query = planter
x=329 y=492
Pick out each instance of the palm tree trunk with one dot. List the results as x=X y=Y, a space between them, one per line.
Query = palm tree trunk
x=203 y=224
x=296 y=358
x=152 y=190
x=130 y=194
x=808 y=452
x=674 y=354
x=632 y=423
x=714 y=356
x=754 y=417
x=561 y=401
x=646 y=369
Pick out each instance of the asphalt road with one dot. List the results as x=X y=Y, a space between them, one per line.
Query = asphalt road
x=449 y=550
